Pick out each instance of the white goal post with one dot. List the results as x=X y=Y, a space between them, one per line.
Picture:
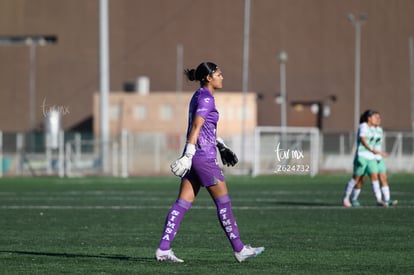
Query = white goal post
x=288 y=150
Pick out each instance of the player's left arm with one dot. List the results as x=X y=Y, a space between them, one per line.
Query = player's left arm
x=228 y=157
x=379 y=146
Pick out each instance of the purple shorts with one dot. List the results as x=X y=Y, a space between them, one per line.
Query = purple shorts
x=205 y=171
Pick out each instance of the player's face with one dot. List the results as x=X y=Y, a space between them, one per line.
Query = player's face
x=376 y=119
x=370 y=120
x=216 y=80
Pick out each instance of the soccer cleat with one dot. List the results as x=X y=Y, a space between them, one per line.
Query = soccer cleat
x=248 y=252
x=392 y=202
x=382 y=204
x=355 y=203
x=167 y=255
x=346 y=203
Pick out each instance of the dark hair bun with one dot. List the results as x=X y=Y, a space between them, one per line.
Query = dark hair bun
x=191 y=74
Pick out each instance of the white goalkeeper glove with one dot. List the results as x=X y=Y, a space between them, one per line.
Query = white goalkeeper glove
x=182 y=165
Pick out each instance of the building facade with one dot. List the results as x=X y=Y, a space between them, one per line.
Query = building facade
x=167 y=112
x=145 y=37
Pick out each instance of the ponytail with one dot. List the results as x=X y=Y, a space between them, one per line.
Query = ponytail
x=200 y=74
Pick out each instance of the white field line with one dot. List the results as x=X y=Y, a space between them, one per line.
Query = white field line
x=278 y=198
x=99 y=193
x=141 y=207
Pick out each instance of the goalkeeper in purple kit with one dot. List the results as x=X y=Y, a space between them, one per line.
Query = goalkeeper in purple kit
x=198 y=167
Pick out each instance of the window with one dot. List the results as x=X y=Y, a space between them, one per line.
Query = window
x=248 y=113
x=229 y=113
x=140 y=112
x=166 y=112
x=115 y=112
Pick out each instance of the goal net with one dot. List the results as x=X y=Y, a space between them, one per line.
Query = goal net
x=289 y=150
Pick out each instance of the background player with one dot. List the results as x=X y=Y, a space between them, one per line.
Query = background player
x=382 y=170
x=364 y=160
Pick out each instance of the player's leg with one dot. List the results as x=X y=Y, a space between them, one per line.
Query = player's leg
x=384 y=186
x=225 y=214
x=385 y=189
x=188 y=192
x=357 y=191
x=228 y=222
x=359 y=170
x=348 y=191
x=211 y=176
x=373 y=171
x=377 y=190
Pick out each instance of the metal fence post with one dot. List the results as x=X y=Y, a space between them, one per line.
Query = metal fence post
x=61 y=155
x=124 y=153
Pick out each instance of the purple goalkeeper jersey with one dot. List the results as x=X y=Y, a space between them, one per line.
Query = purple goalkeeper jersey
x=202 y=104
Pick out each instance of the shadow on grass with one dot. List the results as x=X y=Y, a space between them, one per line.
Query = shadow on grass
x=75 y=255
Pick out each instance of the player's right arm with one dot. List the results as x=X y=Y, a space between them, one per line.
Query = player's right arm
x=182 y=165
x=198 y=122
x=364 y=142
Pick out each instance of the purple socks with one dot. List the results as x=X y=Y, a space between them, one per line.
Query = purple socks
x=177 y=212
x=225 y=216
x=228 y=222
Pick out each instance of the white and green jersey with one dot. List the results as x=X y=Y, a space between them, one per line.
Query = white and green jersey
x=378 y=132
x=368 y=132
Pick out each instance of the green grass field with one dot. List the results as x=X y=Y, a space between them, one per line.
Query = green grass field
x=113 y=226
